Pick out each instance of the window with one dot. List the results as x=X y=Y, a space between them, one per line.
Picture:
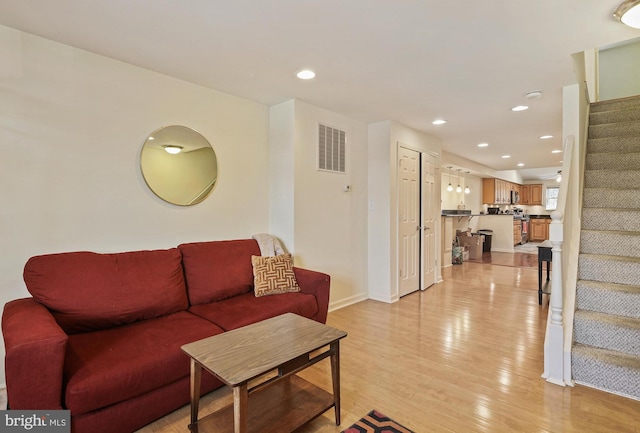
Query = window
x=551 y=202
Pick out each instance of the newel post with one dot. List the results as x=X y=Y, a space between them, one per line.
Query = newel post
x=554 y=346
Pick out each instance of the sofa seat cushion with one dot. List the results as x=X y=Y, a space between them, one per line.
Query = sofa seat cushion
x=113 y=365
x=218 y=269
x=246 y=309
x=88 y=291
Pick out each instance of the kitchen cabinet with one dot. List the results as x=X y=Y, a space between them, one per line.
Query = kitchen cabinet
x=524 y=194
x=496 y=191
x=517 y=232
x=535 y=194
x=539 y=229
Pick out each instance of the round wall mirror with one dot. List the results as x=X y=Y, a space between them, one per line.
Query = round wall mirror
x=179 y=165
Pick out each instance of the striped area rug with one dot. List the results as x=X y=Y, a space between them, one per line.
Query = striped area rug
x=375 y=422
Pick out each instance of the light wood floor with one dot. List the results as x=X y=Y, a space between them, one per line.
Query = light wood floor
x=463 y=356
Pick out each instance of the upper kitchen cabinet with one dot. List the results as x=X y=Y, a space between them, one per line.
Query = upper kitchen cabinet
x=535 y=194
x=497 y=191
x=531 y=194
x=525 y=195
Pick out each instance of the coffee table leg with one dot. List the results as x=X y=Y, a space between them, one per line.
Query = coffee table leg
x=240 y=401
x=196 y=371
x=335 y=376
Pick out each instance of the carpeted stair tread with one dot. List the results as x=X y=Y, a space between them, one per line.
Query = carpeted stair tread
x=630 y=128
x=610 y=219
x=613 y=144
x=615 y=104
x=607 y=331
x=606 y=369
x=613 y=161
x=610 y=298
x=612 y=198
x=610 y=242
x=611 y=178
x=614 y=116
x=607 y=268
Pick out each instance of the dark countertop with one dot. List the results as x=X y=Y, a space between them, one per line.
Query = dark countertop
x=540 y=216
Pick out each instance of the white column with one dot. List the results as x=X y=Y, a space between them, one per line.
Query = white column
x=554 y=342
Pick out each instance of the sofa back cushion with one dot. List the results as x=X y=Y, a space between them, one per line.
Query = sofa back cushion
x=218 y=269
x=88 y=291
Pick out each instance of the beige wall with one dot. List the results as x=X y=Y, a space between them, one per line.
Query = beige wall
x=324 y=226
x=72 y=125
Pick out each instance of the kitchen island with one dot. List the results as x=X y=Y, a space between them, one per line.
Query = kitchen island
x=502 y=226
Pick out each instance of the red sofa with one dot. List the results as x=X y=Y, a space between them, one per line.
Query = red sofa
x=101 y=335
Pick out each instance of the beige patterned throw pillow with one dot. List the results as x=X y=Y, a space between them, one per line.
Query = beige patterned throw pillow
x=273 y=275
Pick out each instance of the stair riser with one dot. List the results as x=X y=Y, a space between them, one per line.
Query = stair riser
x=613 y=244
x=592 y=297
x=615 y=116
x=608 y=270
x=615 y=129
x=611 y=219
x=613 y=161
x=614 y=144
x=606 y=335
x=602 y=375
x=611 y=178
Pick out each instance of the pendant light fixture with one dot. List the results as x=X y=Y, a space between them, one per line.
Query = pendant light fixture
x=629 y=13
x=467 y=190
x=450 y=187
x=459 y=188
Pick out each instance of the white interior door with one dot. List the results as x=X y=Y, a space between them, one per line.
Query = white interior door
x=409 y=220
x=429 y=220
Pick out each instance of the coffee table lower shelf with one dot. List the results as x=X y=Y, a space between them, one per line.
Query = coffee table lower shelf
x=280 y=407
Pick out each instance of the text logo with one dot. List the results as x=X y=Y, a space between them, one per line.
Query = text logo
x=40 y=421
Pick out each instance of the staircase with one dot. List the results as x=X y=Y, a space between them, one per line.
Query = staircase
x=606 y=350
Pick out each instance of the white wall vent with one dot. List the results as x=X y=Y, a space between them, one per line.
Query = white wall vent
x=331 y=149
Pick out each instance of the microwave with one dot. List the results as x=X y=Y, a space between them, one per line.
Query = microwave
x=515 y=197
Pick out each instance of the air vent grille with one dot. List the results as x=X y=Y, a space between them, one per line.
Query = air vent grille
x=331 y=149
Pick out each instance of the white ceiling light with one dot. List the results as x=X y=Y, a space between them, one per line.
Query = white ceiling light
x=459 y=188
x=556 y=151
x=521 y=164
x=439 y=122
x=467 y=190
x=483 y=144
x=559 y=177
x=306 y=74
x=520 y=108
x=173 y=149
x=545 y=137
x=534 y=94
x=450 y=187
x=506 y=156
x=629 y=13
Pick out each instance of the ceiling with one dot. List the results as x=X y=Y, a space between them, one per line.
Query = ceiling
x=410 y=61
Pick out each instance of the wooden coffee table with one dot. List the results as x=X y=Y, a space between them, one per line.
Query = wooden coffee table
x=282 y=346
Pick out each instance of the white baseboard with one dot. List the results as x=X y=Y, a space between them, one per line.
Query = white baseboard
x=346 y=302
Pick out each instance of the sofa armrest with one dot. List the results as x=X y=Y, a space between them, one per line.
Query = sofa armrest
x=35 y=350
x=316 y=284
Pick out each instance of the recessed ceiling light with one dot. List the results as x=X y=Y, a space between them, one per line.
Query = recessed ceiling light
x=506 y=156
x=521 y=164
x=556 y=151
x=520 y=108
x=534 y=94
x=483 y=144
x=439 y=122
x=306 y=74
x=173 y=149
x=545 y=137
